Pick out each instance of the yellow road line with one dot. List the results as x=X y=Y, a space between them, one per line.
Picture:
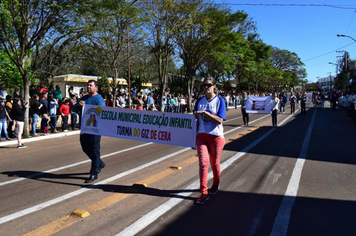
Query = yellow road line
x=54 y=226
x=69 y=220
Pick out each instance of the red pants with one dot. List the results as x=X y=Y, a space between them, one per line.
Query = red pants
x=209 y=147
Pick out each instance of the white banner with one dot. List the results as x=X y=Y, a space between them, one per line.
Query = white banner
x=148 y=126
x=257 y=104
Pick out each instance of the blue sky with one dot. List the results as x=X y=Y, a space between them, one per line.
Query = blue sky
x=309 y=31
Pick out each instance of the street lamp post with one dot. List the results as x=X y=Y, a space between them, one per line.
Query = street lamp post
x=342 y=35
x=347 y=36
x=337 y=65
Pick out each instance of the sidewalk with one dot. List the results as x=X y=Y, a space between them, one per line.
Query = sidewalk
x=37 y=138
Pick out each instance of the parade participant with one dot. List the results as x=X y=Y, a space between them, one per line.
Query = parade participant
x=245 y=115
x=292 y=100
x=274 y=108
x=209 y=110
x=91 y=143
x=303 y=103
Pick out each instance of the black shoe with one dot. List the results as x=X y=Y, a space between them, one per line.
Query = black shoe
x=101 y=167
x=91 y=179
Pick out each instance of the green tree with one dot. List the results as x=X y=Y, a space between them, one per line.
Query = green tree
x=208 y=31
x=108 y=40
x=289 y=64
x=25 y=23
x=163 y=19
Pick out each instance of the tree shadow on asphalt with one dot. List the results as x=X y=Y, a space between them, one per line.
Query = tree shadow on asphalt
x=36 y=175
x=51 y=178
x=234 y=213
x=330 y=137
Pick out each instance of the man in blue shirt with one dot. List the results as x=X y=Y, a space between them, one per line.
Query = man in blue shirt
x=91 y=143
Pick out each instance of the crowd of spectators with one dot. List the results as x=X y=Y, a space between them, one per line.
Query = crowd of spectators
x=51 y=102
x=45 y=104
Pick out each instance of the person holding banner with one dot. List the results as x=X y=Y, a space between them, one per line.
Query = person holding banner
x=210 y=112
x=274 y=108
x=245 y=115
x=91 y=143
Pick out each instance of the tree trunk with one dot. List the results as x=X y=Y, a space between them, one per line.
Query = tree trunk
x=26 y=130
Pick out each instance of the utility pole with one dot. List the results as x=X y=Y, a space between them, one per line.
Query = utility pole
x=345 y=66
x=346 y=80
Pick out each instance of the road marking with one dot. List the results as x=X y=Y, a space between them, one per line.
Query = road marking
x=118 y=176
x=54 y=227
x=69 y=220
x=281 y=222
x=83 y=190
x=71 y=165
x=153 y=215
x=86 y=161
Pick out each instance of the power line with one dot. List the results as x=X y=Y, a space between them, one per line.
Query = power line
x=293 y=5
x=328 y=52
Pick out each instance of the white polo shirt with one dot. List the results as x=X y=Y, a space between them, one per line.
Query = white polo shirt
x=215 y=106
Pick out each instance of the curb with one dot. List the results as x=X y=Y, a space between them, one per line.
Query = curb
x=33 y=139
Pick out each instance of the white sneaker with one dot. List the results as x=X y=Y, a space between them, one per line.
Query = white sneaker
x=65 y=130
x=22 y=146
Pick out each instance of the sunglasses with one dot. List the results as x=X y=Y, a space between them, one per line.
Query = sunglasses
x=207 y=85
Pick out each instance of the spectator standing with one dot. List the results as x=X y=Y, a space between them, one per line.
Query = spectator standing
x=32 y=90
x=3 y=92
x=211 y=112
x=274 y=108
x=322 y=96
x=245 y=115
x=303 y=103
x=149 y=100
x=64 y=111
x=44 y=124
x=53 y=106
x=81 y=93
x=91 y=143
x=73 y=115
x=292 y=100
x=298 y=100
x=17 y=93
x=19 y=109
x=35 y=107
x=44 y=104
x=283 y=101
x=42 y=90
x=57 y=93
x=8 y=106
x=50 y=91
x=3 y=119
x=109 y=101
x=71 y=92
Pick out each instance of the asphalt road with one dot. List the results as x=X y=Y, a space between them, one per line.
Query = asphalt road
x=296 y=179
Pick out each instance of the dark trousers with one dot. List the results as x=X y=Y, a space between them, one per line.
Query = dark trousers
x=9 y=130
x=292 y=108
x=91 y=146
x=73 y=118
x=64 y=122
x=303 y=109
x=274 y=117
x=245 y=116
x=334 y=105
